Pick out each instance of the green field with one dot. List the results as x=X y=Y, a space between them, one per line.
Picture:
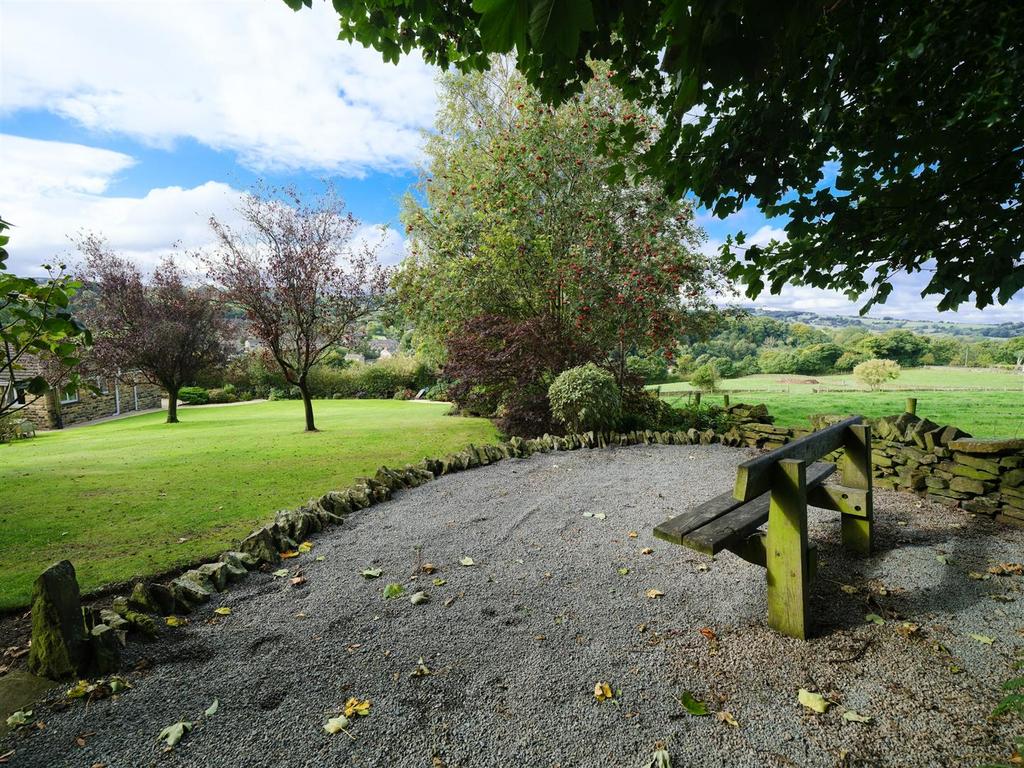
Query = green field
x=136 y=496
x=984 y=402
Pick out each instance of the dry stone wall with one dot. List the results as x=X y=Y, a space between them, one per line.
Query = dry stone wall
x=939 y=462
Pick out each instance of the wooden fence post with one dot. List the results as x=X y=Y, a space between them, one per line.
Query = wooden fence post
x=912 y=405
x=725 y=400
x=786 y=550
x=856 y=525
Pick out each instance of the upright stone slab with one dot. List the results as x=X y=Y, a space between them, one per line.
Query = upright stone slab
x=58 y=631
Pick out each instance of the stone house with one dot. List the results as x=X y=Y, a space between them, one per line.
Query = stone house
x=113 y=396
x=383 y=347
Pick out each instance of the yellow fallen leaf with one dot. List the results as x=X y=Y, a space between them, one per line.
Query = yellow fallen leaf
x=222 y=611
x=852 y=716
x=336 y=724
x=602 y=691
x=813 y=701
x=632 y=534
x=356 y=706
x=288 y=554
x=176 y=621
x=646 y=551
x=654 y=593
x=727 y=718
x=428 y=567
x=305 y=546
x=983 y=639
x=849 y=589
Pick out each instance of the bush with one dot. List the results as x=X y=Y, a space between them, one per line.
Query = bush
x=874 y=373
x=642 y=409
x=7 y=429
x=652 y=369
x=849 y=360
x=223 y=395
x=194 y=395
x=585 y=398
x=252 y=375
x=382 y=379
x=438 y=391
x=706 y=378
x=404 y=394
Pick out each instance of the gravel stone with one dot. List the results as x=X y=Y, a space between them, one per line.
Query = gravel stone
x=516 y=642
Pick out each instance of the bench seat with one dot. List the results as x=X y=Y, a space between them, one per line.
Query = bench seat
x=724 y=522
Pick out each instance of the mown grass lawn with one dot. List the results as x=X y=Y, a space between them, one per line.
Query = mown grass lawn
x=136 y=496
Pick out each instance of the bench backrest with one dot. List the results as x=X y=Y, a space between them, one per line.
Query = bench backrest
x=754 y=477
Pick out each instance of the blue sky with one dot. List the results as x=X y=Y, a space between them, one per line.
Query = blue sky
x=141 y=119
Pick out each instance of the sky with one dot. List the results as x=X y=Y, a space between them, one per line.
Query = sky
x=139 y=119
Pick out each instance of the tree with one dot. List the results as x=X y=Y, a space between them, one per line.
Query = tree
x=874 y=373
x=515 y=222
x=706 y=378
x=905 y=347
x=35 y=322
x=890 y=135
x=299 y=274
x=164 y=328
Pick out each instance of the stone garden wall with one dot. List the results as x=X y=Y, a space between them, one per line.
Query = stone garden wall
x=938 y=462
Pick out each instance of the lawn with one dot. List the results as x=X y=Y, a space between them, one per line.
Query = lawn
x=136 y=496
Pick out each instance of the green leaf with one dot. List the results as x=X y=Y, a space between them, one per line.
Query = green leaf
x=393 y=590
x=173 y=734
x=467 y=561
x=874 y=618
x=419 y=597
x=852 y=716
x=555 y=25
x=371 y=573
x=503 y=24
x=280 y=573
x=212 y=709
x=21 y=717
x=813 y=701
x=983 y=639
x=660 y=759
x=692 y=705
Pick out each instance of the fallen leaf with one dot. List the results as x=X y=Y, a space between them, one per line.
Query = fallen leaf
x=467 y=561
x=280 y=573
x=21 y=717
x=646 y=551
x=372 y=573
x=654 y=593
x=305 y=546
x=874 y=618
x=288 y=554
x=356 y=706
x=439 y=582
x=320 y=558
x=419 y=597
x=709 y=633
x=849 y=589
x=172 y=734
x=944 y=559
x=983 y=639
x=176 y=621
x=1007 y=569
x=692 y=704
x=428 y=567
x=907 y=629
x=813 y=701
x=701 y=567
x=212 y=709
x=600 y=515
x=588 y=514
x=222 y=611
x=623 y=571
x=297 y=581
x=602 y=691
x=632 y=534
x=422 y=670
x=852 y=716
x=393 y=590
x=336 y=724
x=660 y=759
x=979 y=576
x=727 y=718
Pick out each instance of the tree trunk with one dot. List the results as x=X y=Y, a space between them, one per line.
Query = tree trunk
x=307 y=404
x=172 y=406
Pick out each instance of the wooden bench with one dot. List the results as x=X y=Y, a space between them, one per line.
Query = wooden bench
x=776 y=488
x=25 y=428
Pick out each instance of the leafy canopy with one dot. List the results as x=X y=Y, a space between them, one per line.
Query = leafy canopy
x=890 y=134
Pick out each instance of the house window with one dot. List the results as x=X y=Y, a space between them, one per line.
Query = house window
x=68 y=394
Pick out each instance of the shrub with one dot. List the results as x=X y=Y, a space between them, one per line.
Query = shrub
x=645 y=410
x=438 y=391
x=194 y=395
x=404 y=394
x=7 y=429
x=585 y=398
x=849 y=360
x=382 y=379
x=651 y=368
x=706 y=377
x=874 y=373
x=223 y=395
x=252 y=375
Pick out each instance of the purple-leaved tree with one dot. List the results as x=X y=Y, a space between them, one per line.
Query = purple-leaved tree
x=163 y=327
x=296 y=269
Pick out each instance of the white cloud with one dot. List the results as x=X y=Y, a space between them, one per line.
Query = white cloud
x=255 y=78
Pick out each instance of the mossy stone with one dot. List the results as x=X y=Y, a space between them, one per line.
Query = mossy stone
x=58 y=630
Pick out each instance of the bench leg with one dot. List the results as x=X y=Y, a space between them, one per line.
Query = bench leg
x=787 y=558
x=856 y=529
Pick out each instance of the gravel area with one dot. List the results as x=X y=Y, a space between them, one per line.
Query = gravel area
x=516 y=642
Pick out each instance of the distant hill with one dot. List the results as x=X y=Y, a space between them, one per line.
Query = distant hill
x=931 y=327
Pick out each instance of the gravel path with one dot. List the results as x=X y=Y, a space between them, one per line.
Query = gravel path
x=516 y=642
